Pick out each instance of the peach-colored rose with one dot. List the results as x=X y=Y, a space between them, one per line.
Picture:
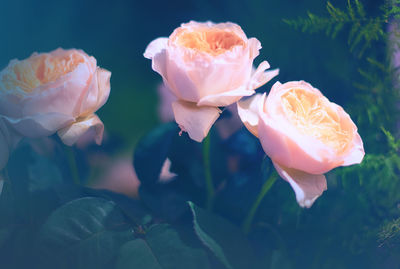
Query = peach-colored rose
x=304 y=134
x=54 y=92
x=207 y=66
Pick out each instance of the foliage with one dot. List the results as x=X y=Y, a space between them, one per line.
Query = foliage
x=363 y=30
x=49 y=221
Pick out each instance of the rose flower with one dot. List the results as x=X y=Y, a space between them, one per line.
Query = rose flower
x=304 y=134
x=206 y=66
x=51 y=92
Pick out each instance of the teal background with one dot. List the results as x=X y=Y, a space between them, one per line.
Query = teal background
x=116 y=33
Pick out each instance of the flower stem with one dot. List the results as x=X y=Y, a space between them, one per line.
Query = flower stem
x=207 y=170
x=73 y=167
x=265 y=188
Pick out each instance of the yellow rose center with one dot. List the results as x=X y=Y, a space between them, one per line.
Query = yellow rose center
x=31 y=73
x=211 y=41
x=313 y=116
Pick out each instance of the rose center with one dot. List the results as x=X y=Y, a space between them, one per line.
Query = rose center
x=29 y=74
x=213 y=41
x=313 y=116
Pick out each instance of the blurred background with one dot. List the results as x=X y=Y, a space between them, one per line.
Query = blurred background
x=117 y=32
x=343 y=228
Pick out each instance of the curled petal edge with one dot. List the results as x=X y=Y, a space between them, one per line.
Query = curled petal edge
x=195 y=120
x=90 y=125
x=307 y=187
x=248 y=110
x=261 y=77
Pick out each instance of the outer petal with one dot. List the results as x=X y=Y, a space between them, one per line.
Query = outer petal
x=307 y=187
x=40 y=124
x=166 y=98
x=225 y=98
x=97 y=94
x=92 y=124
x=195 y=120
x=280 y=142
x=157 y=52
x=260 y=76
x=248 y=111
x=176 y=77
x=357 y=152
x=155 y=47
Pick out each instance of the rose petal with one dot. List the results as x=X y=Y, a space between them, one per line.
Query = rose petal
x=261 y=77
x=255 y=46
x=155 y=47
x=71 y=134
x=166 y=98
x=248 y=111
x=40 y=124
x=156 y=51
x=96 y=94
x=225 y=98
x=195 y=120
x=103 y=80
x=307 y=187
x=357 y=153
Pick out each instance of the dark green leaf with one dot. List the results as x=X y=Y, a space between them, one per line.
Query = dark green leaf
x=152 y=151
x=85 y=233
x=161 y=248
x=224 y=239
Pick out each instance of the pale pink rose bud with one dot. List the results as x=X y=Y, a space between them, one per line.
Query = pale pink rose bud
x=53 y=92
x=304 y=134
x=206 y=66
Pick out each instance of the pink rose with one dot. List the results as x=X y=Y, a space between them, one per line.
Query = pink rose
x=54 y=92
x=304 y=134
x=206 y=66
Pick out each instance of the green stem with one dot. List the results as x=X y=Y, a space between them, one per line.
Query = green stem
x=207 y=170
x=265 y=188
x=72 y=164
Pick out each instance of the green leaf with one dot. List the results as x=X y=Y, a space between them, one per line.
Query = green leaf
x=161 y=248
x=85 y=233
x=151 y=152
x=224 y=239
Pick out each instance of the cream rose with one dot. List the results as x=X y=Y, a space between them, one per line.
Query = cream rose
x=304 y=134
x=206 y=66
x=52 y=92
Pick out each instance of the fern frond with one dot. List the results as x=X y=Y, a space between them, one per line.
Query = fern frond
x=360 y=9
x=363 y=30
